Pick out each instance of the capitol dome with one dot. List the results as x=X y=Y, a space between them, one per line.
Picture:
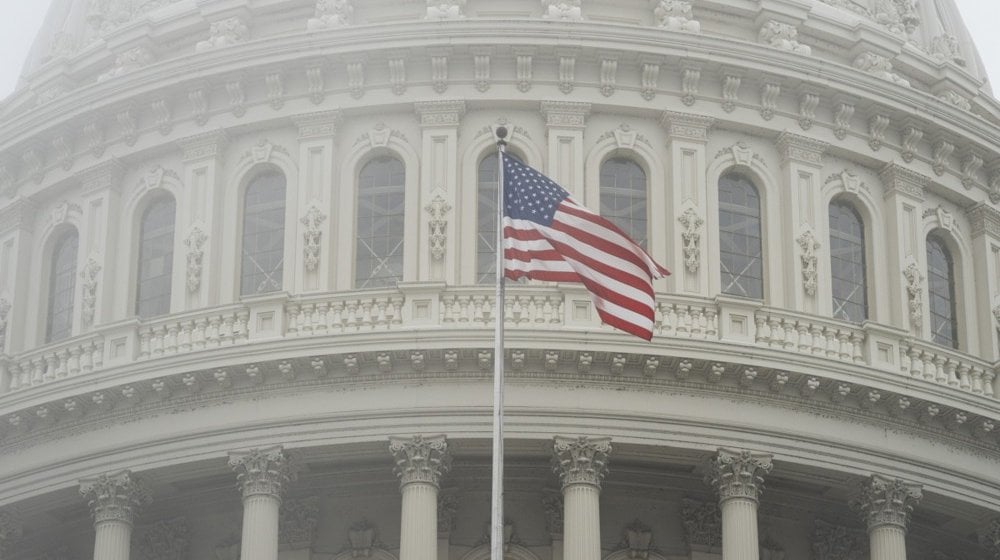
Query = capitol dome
x=247 y=266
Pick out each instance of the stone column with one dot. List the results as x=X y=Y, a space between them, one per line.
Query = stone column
x=565 y=122
x=985 y=221
x=420 y=462
x=101 y=188
x=115 y=500
x=738 y=477
x=17 y=283
x=885 y=504
x=263 y=475
x=581 y=464
x=688 y=255
x=314 y=243
x=904 y=198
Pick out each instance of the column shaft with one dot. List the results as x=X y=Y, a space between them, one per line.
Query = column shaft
x=582 y=529
x=112 y=540
x=418 y=526
x=739 y=529
x=260 y=527
x=887 y=542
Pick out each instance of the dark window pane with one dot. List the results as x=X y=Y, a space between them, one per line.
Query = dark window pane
x=379 y=238
x=847 y=263
x=263 y=253
x=486 y=220
x=740 y=249
x=941 y=293
x=623 y=197
x=156 y=259
x=62 y=287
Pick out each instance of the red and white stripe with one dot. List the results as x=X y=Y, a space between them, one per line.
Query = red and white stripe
x=581 y=246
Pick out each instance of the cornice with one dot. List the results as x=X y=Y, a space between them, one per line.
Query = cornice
x=443 y=113
x=106 y=175
x=899 y=178
x=18 y=215
x=565 y=114
x=801 y=149
x=686 y=126
x=985 y=219
x=205 y=145
x=321 y=124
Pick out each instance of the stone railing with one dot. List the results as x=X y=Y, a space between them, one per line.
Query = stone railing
x=738 y=325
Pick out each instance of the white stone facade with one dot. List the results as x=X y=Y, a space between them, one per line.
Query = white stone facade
x=323 y=421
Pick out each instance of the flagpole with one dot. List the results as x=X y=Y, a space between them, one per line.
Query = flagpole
x=496 y=518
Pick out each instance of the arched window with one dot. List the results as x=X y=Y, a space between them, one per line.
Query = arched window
x=941 y=292
x=847 y=263
x=156 y=259
x=740 y=248
x=623 y=197
x=263 y=234
x=380 y=235
x=486 y=221
x=62 y=288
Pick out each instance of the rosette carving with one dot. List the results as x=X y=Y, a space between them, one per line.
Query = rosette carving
x=581 y=460
x=738 y=474
x=886 y=501
x=420 y=459
x=262 y=471
x=115 y=497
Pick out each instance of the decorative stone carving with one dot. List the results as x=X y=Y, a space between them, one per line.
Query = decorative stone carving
x=447 y=506
x=691 y=237
x=808 y=102
x=510 y=536
x=952 y=97
x=264 y=471
x=195 y=243
x=115 y=497
x=552 y=505
x=89 y=300
x=690 y=77
x=104 y=16
x=835 y=542
x=877 y=125
x=609 y=73
x=730 y=91
x=782 y=36
x=420 y=459
x=331 y=14
x=581 y=460
x=899 y=16
x=567 y=73
x=912 y=135
x=362 y=536
x=842 y=119
x=885 y=501
x=224 y=33
x=972 y=162
x=637 y=539
x=650 y=80
x=809 y=245
x=11 y=529
x=941 y=151
x=4 y=313
x=742 y=154
x=356 y=78
x=164 y=540
x=298 y=521
x=312 y=237
x=128 y=61
x=769 y=92
x=878 y=66
x=989 y=537
x=914 y=294
x=702 y=523
x=568 y=10
x=445 y=9
x=996 y=317
x=675 y=15
x=945 y=47
x=438 y=226
x=738 y=474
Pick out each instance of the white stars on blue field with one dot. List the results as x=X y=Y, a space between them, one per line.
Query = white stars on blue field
x=529 y=195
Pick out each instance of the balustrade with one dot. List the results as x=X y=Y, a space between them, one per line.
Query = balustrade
x=418 y=307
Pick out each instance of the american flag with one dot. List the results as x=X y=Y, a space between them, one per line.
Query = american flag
x=549 y=236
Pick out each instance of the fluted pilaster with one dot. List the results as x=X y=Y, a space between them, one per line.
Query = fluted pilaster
x=115 y=501
x=420 y=463
x=263 y=476
x=581 y=464
x=738 y=477
x=886 y=504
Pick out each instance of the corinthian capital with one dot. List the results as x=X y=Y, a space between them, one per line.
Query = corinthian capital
x=420 y=459
x=115 y=497
x=738 y=473
x=262 y=471
x=581 y=460
x=887 y=501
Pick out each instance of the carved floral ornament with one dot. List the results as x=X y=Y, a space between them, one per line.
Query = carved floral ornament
x=195 y=243
x=262 y=471
x=420 y=459
x=809 y=246
x=637 y=539
x=581 y=460
x=738 y=474
x=438 y=209
x=164 y=540
x=702 y=523
x=331 y=14
x=885 y=501
x=836 y=542
x=312 y=236
x=89 y=275
x=914 y=293
x=691 y=237
x=115 y=497
x=4 y=313
x=445 y=9
x=298 y=522
x=675 y=15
